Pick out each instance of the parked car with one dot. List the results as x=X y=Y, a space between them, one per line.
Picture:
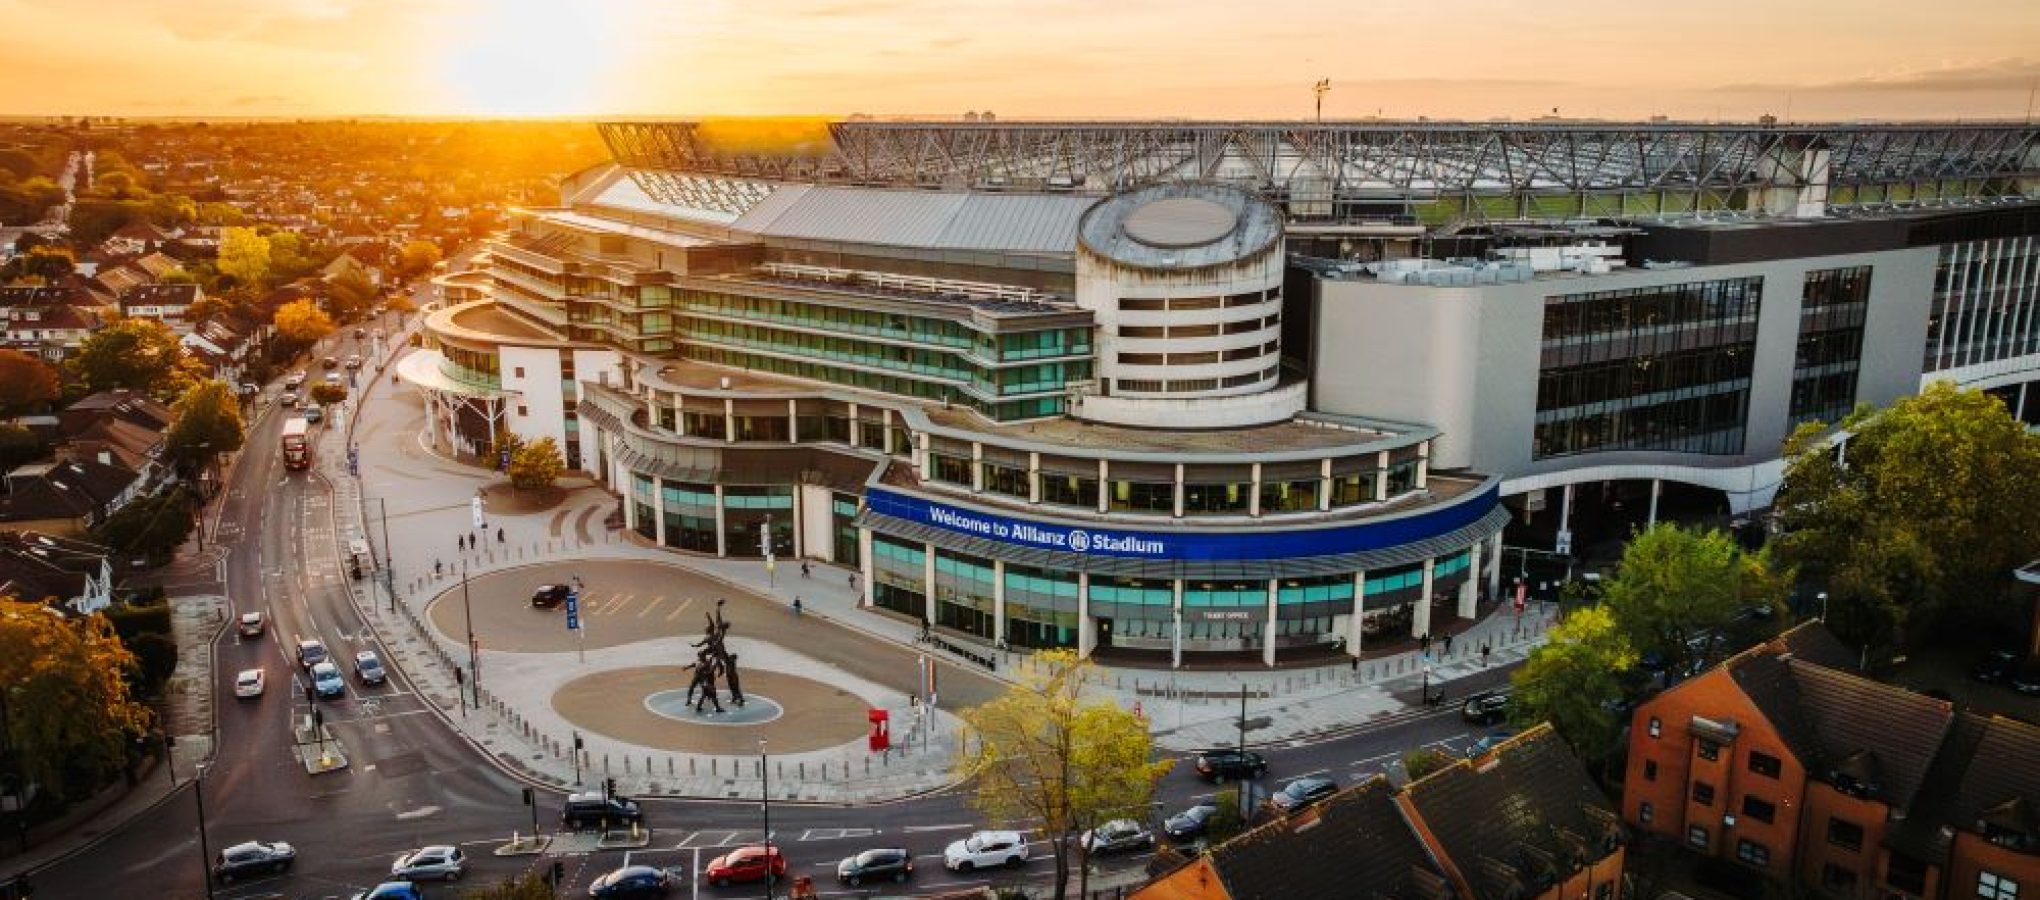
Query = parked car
x=392 y=890
x=295 y=380
x=288 y=398
x=1190 y=824
x=631 y=882
x=252 y=858
x=2026 y=681
x=310 y=653
x=549 y=595
x=1117 y=836
x=986 y=850
x=438 y=862
x=314 y=414
x=369 y=668
x=1491 y=741
x=595 y=809
x=330 y=362
x=1486 y=709
x=1221 y=766
x=332 y=378
x=326 y=681
x=354 y=361
x=1996 y=667
x=252 y=624
x=360 y=333
x=250 y=683
x=888 y=864
x=745 y=865
x=1303 y=792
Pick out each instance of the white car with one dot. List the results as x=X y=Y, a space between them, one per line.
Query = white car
x=250 y=683
x=986 y=850
x=440 y=861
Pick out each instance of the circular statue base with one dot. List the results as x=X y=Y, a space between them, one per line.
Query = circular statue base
x=755 y=710
x=644 y=706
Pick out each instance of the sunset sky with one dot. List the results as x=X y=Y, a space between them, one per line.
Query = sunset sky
x=1809 y=59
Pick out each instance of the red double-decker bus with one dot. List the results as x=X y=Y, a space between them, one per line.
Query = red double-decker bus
x=297 y=444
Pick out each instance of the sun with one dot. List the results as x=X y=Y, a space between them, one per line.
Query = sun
x=531 y=57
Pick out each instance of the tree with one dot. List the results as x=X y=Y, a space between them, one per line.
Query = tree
x=1574 y=681
x=43 y=264
x=326 y=392
x=26 y=383
x=400 y=304
x=350 y=294
x=536 y=465
x=244 y=255
x=138 y=354
x=1675 y=583
x=302 y=322
x=149 y=527
x=417 y=258
x=1919 y=518
x=207 y=423
x=18 y=446
x=69 y=715
x=1422 y=761
x=1045 y=752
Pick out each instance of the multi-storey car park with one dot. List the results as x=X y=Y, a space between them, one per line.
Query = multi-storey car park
x=1240 y=392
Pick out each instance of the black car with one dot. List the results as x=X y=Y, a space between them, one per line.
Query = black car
x=630 y=882
x=889 y=864
x=1191 y=823
x=252 y=858
x=1221 y=766
x=549 y=595
x=594 y=809
x=1486 y=709
x=1303 y=792
x=1996 y=668
x=330 y=362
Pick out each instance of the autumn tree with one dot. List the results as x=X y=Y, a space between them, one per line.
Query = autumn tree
x=1574 y=681
x=138 y=354
x=69 y=716
x=244 y=255
x=351 y=294
x=536 y=465
x=1675 y=583
x=326 y=393
x=149 y=527
x=1919 y=518
x=207 y=424
x=417 y=258
x=26 y=383
x=302 y=322
x=1044 y=751
x=40 y=264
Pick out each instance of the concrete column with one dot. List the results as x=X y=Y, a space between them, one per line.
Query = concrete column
x=722 y=544
x=1420 y=621
x=1034 y=478
x=977 y=467
x=1087 y=633
x=886 y=420
x=1356 y=624
x=856 y=427
x=863 y=566
x=1565 y=510
x=792 y=421
x=2019 y=410
x=1176 y=638
x=629 y=484
x=926 y=463
x=1423 y=465
x=1254 y=492
x=1655 y=485
x=729 y=419
x=1104 y=488
x=1381 y=477
x=998 y=600
x=659 y=509
x=799 y=515
x=928 y=581
x=1469 y=590
x=1179 y=490
x=1268 y=643
x=1324 y=494
x=1494 y=573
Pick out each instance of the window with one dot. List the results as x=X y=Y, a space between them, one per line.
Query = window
x=1846 y=835
x=1644 y=812
x=1650 y=770
x=1752 y=852
x=1759 y=809
x=1837 y=878
x=518 y=372
x=1703 y=793
x=1764 y=764
x=523 y=410
x=1657 y=727
x=1992 y=886
x=1709 y=750
x=1697 y=836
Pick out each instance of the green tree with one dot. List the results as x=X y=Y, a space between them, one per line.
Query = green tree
x=1574 y=680
x=69 y=715
x=244 y=255
x=150 y=527
x=26 y=383
x=350 y=295
x=207 y=424
x=1675 y=583
x=40 y=264
x=1043 y=751
x=139 y=354
x=1921 y=516
x=93 y=221
x=1422 y=761
x=536 y=464
x=302 y=323
x=18 y=446
x=417 y=258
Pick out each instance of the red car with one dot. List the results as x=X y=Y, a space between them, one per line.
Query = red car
x=745 y=864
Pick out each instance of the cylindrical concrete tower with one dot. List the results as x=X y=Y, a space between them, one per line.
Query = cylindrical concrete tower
x=1186 y=283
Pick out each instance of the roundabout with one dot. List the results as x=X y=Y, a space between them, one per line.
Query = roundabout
x=644 y=705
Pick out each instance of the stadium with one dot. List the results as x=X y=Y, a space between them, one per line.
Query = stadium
x=1255 y=394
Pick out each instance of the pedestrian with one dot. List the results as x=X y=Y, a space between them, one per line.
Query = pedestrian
x=460 y=543
x=436 y=568
x=804 y=569
x=1448 y=645
x=1484 y=651
x=499 y=534
x=796 y=606
x=1355 y=661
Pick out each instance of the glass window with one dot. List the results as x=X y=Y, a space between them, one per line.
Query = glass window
x=1697 y=837
x=1069 y=490
x=1009 y=480
x=1703 y=793
x=949 y=469
x=1764 y=764
x=1650 y=770
x=1644 y=812
x=1752 y=852
x=1144 y=496
x=1759 y=809
x=1709 y=750
x=1992 y=886
x=1290 y=496
x=1845 y=834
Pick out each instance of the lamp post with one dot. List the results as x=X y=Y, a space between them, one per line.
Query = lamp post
x=474 y=655
x=388 y=551
x=1823 y=607
x=765 y=794
x=204 y=851
x=1427 y=684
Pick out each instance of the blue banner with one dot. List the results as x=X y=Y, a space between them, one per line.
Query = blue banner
x=573 y=610
x=1259 y=540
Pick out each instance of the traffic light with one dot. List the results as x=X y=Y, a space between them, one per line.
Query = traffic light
x=609 y=787
x=577 y=740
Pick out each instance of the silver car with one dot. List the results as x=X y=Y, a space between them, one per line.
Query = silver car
x=439 y=861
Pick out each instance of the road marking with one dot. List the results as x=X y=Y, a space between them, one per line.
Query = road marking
x=835 y=834
x=419 y=813
x=651 y=606
x=911 y=829
x=622 y=603
x=680 y=609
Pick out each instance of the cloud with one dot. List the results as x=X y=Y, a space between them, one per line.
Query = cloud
x=2015 y=73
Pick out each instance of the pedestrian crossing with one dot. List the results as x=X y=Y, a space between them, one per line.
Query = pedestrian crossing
x=647 y=607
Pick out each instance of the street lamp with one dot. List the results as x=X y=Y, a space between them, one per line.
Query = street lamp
x=1823 y=607
x=765 y=794
x=204 y=851
x=474 y=654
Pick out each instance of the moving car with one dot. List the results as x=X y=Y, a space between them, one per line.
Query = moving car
x=1191 y=823
x=392 y=890
x=288 y=398
x=295 y=381
x=250 y=683
x=1303 y=792
x=887 y=864
x=744 y=865
x=369 y=668
x=252 y=624
x=330 y=362
x=310 y=652
x=439 y=862
x=252 y=858
x=360 y=333
x=1221 y=766
x=1490 y=742
x=315 y=414
x=332 y=378
x=631 y=882
x=549 y=595
x=326 y=681
x=1997 y=667
x=1117 y=836
x=595 y=809
x=986 y=850
x=354 y=361
x=1486 y=709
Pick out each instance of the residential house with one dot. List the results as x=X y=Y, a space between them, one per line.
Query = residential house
x=127 y=405
x=38 y=567
x=120 y=278
x=1522 y=822
x=66 y=498
x=50 y=322
x=166 y=303
x=351 y=261
x=1783 y=760
x=134 y=238
x=116 y=441
x=156 y=265
x=224 y=343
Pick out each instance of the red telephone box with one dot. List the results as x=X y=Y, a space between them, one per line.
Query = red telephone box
x=880 y=739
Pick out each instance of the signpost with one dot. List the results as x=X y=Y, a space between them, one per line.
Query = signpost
x=574 y=622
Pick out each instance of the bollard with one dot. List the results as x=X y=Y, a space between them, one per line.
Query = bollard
x=712 y=765
x=605 y=763
x=802 y=769
x=867 y=765
x=669 y=765
x=779 y=768
x=626 y=765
